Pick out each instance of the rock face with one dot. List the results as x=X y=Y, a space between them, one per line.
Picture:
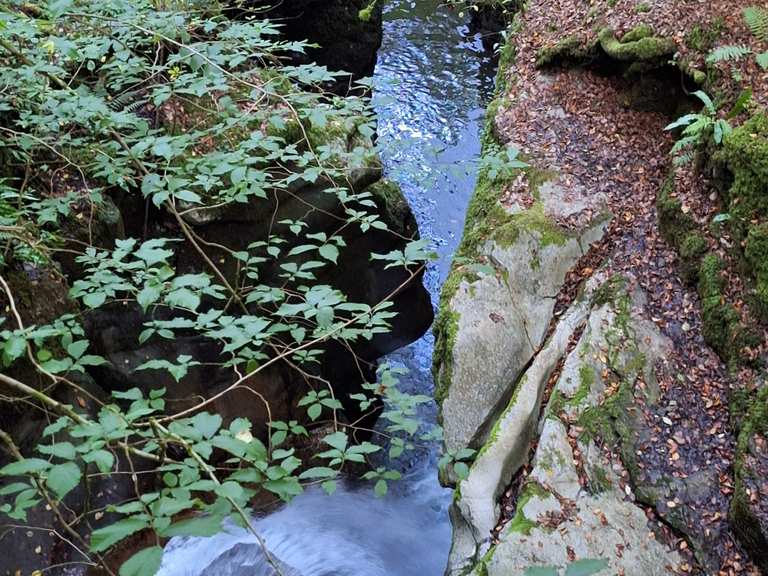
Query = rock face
x=348 y=32
x=541 y=374
x=502 y=315
x=575 y=497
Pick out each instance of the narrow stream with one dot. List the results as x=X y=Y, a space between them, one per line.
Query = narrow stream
x=432 y=84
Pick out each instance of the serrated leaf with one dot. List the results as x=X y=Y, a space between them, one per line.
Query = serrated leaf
x=314 y=411
x=104 y=538
x=63 y=478
x=200 y=526
x=207 y=424
x=26 y=466
x=104 y=460
x=329 y=252
x=63 y=450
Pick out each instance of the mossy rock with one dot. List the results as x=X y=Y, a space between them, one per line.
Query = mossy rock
x=756 y=256
x=638 y=45
x=570 y=50
x=674 y=224
x=722 y=326
x=745 y=151
x=691 y=249
x=750 y=527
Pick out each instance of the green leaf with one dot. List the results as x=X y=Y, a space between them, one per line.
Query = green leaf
x=461 y=470
x=231 y=490
x=63 y=450
x=57 y=426
x=314 y=411
x=104 y=460
x=106 y=537
x=317 y=473
x=63 y=478
x=337 y=440
x=329 y=252
x=586 y=567
x=199 y=526
x=14 y=347
x=704 y=97
x=144 y=563
x=149 y=295
x=13 y=488
x=26 y=466
x=329 y=487
x=762 y=60
x=77 y=349
x=207 y=424
x=380 y=489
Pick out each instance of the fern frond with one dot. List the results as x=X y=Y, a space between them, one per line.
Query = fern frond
x=127 y=102
x=757 y=20
x=728 y=54
x=762 y=60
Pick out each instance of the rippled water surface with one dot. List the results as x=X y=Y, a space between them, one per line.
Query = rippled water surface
x=432 y=83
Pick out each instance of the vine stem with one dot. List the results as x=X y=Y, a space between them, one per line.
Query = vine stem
x=14 y=450
x=287 y=353
x=209 y=472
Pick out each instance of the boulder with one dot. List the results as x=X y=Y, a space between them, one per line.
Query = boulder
x=572 y=505
x=501 y=312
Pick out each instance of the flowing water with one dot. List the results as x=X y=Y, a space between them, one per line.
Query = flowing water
x=432 y=83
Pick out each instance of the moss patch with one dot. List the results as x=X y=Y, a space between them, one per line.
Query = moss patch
x=571 y=49
x=722 y=327
x=519 y=522
x=638 y=45
x=674 y=224
x=748 y=527
x=691 y=249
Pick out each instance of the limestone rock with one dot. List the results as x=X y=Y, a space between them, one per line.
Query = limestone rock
x=501 y=319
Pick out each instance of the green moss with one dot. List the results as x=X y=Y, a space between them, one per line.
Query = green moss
x=445 y=328
x=612 y=421
x=568 y=50
x=746 y=525
x=642 y=8
x=691 y=250
x=392 y=205
x=598 y=480
x=721 y=324
x=494 y=433
x=638 y=45
x=519 y=522
x=703 y=38
x=756 y=256
x=609 y=291
x=674 y=224
x=745 y=151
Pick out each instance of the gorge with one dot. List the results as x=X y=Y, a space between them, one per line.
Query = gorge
x=237 y=299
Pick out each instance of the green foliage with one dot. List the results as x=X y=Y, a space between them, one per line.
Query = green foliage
x=756 y=17
x=179 y=106
x=698 y=128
